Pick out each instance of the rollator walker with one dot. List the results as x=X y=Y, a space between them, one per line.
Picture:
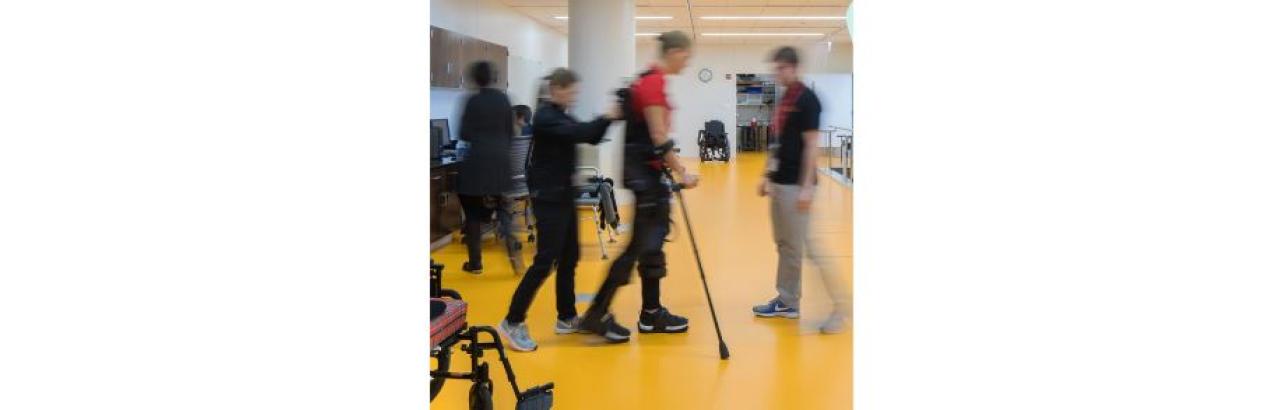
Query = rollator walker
x=448 y=329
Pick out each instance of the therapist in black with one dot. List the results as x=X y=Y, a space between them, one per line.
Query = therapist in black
x=485 y=172
x=556 y=135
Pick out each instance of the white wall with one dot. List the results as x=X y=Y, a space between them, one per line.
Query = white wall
x=696 y=102
x=835 y=91
x=534 y=49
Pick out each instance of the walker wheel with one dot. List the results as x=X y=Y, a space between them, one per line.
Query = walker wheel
x=481 y=396
x=442 y=365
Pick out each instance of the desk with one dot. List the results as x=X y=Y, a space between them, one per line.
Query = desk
x=446 y=212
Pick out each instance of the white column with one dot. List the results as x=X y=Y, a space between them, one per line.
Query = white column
x=602 y=49
x=849 y=22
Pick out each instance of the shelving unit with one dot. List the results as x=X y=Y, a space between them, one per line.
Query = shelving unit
x=756 y=90
x=756 y=96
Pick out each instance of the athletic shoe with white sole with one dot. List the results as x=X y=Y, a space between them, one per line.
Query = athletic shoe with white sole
x=517 y=336
x=662 y=321
x=835 y=324
x=474 y=269
x=607 y=327
x=564 y=327
x=775 y=308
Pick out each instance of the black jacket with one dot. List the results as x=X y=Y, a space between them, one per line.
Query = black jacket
x=488 y=125
x=555 y=155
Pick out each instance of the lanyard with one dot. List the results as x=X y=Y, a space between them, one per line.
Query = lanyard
x=786 y=107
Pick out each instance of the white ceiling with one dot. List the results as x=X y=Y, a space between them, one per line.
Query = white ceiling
x=545 y=11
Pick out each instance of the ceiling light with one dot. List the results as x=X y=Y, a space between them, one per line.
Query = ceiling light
x=773 y=17
x=762 y=34
x=647 y=34
x=637 y=17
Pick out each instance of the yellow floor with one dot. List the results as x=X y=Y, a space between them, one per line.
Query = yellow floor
x=775 y=363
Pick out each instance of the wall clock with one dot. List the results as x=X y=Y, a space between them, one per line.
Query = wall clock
x=705 y=75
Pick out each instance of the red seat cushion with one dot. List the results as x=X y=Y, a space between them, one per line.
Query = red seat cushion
x=452 y=321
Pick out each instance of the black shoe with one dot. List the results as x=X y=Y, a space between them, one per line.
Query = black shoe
x=606 y=327
x=474 y=269
x=662 y=321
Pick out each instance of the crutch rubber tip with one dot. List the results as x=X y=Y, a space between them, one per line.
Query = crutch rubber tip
x=724 y=351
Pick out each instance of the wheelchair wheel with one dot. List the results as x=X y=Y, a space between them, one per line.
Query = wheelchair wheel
x=481 y=396
x=442 y=365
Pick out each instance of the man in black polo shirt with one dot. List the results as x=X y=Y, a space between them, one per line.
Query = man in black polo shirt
x=789 y=181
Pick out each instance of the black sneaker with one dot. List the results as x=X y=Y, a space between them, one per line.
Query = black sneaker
x=474 y=269
x=662 y=321
x=606 y=327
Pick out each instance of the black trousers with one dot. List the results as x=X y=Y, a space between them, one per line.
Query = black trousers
x=650 y=226
x=557 y=225
x=479 y=211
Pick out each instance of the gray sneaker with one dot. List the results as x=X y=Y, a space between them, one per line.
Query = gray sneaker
x=564 y=327
x=835 y=324
x=517 y=336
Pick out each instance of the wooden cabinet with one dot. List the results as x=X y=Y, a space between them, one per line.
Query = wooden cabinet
x=443 y=74
x=452 y=53
x=437 y=63
x=446 y=70
x=471 y=52
x=498 y=55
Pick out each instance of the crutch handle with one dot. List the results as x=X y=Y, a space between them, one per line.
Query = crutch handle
x=675 y=186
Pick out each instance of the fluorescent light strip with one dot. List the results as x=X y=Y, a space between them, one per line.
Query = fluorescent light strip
x=637 y=17
x=773 y=17
x=762 y=34
x=647 y=34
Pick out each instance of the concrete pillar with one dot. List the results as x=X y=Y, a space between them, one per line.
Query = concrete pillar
x=602 y=49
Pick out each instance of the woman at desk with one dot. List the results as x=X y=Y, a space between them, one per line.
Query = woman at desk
x=485 y=172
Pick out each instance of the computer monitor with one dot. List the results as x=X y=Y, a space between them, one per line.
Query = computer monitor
x=443 y=125
x=437 y=143
x=440 y=138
